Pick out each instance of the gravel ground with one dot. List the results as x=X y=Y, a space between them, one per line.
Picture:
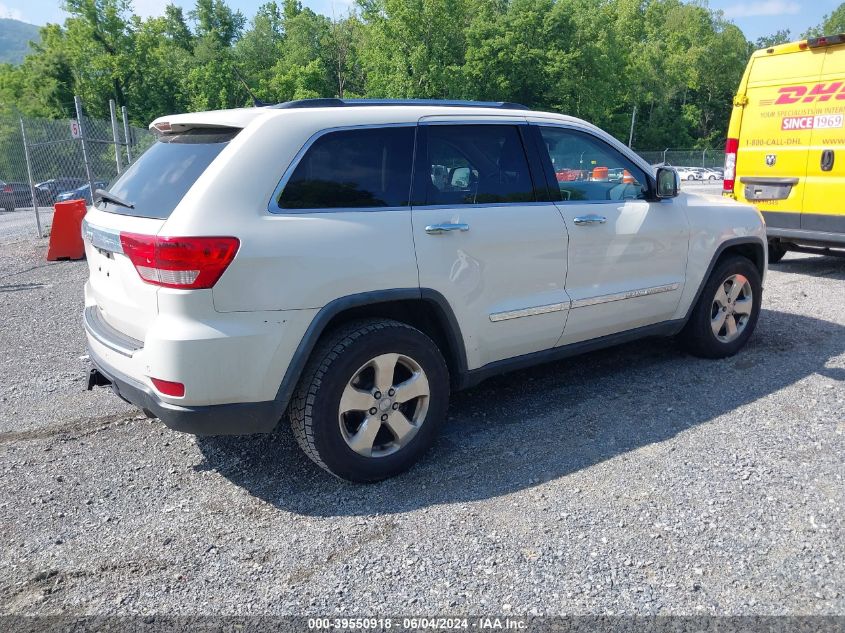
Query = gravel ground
x=629 y=481
x=20 y=224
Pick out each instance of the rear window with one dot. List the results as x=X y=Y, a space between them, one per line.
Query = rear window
x=161 y=177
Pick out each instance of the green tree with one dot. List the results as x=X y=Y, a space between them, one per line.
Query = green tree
x=778 y=37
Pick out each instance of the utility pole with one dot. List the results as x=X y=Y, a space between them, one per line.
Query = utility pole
x=633 y=119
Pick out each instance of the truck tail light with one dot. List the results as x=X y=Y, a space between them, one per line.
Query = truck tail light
x=731 y=148
x=168 y=388
x=189 y=263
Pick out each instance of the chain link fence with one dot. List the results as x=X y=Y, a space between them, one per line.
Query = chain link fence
x=45 y=161
x=710 y=157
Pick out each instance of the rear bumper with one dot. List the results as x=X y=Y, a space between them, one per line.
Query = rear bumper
x=220 y=419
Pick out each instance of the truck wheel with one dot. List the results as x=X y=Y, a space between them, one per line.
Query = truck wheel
x=776 y=252
x=8 y=208
x=370 y=400
x=725 y=314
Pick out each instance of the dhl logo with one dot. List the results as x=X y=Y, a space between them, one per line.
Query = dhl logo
x=790 y=95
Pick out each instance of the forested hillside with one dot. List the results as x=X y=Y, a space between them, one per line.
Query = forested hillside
x=14 y=40
x=678 y=63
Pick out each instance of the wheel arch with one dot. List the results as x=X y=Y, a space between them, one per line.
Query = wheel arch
x=752 y=248
x=423 y=308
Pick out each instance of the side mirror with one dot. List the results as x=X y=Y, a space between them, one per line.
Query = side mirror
x=668 y=183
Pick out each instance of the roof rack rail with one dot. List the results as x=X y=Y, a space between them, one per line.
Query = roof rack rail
x=345 y=103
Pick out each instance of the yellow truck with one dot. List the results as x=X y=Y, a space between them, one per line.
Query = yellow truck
x=785 y=151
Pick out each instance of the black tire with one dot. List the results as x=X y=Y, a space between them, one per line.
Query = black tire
x=10 y=209
x=314 y=411
x=777 y=250
x=698 y=337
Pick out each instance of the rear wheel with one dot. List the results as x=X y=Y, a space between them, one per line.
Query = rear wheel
x=370 y=400
x=726 y=313
x=776 y=252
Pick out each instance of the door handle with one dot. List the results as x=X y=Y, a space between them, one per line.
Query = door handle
x=827 y=160
x=437 y=229
x=587 y=220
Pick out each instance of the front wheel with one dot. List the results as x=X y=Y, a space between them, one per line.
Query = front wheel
x=726 y=313
x=370 y=400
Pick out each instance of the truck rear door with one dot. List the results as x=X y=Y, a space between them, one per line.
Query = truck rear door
x=776 y=134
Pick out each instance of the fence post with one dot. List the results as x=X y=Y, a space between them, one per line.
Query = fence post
x=703 y=153
x=116 y=139
x=31 y=181
x=126 y=135
x=77 y=101
x=664 y=155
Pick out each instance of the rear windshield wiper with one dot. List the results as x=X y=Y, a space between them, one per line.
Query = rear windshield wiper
x=101 y=194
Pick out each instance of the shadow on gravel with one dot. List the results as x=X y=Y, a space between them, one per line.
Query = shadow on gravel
x=815 y=266
x=518 y=430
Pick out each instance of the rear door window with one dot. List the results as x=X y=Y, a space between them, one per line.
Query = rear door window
x=353 y=169
x=161 y=177
x=474 y=164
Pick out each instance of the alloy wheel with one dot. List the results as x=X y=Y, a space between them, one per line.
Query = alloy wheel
x=383 y=405
x=731 y=308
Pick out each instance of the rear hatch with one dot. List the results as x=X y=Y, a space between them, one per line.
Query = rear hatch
x=151 y=189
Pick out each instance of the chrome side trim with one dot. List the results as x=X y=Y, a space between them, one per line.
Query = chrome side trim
x=103 y=239
x=524 y=312
x=105 y=334
x=629 y=294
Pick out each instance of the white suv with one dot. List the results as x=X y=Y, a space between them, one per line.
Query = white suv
x=347 y=263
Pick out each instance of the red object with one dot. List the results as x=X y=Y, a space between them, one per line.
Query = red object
x=189 y=263
x=168 y=388
x=66 y=233
x=7 y=189
x=731 y=148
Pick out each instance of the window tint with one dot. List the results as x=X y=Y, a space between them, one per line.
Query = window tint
x=161 y=177
x=587 y=168
x=353 y=169
x=476 y=164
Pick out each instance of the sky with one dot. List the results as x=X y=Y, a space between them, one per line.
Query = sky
x=756 y=18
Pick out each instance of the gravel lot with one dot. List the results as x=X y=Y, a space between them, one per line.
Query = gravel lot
x=632 y=481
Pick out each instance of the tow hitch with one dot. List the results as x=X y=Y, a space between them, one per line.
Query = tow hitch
x=96 y=379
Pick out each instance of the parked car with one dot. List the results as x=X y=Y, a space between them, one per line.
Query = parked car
x=14 y=195
x=783 y=152
x=81 y=193
x=712 y=173
x=688 y=173
x=46 y=192
x=264 y=262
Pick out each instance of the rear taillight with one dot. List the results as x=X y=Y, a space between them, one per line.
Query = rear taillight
x=169 y=388
x=731 y=148
x=7 y=189
x=179 y=262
